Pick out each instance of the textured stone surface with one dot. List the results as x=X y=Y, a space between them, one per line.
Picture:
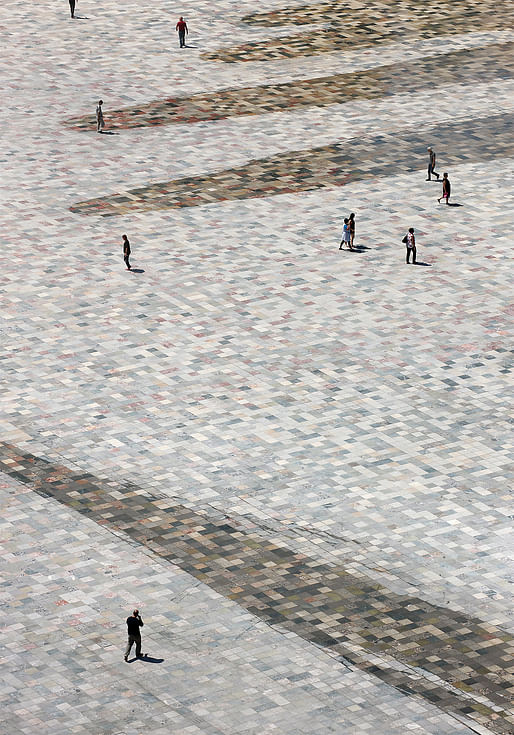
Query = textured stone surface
x=296 y=460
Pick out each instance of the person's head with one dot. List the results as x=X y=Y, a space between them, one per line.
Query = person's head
x=411 y=230
x=352 y=216
x=135 y=613
x=429 y=149
x=124 y=237
x=100 y=102
x=445 y=175
x=181 y=18
x=346 y=220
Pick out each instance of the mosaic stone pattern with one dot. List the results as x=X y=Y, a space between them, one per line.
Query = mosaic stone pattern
x=295 y=459
x=488 y=64
x=330 y=166
x=211 y=667
x=463 y=665
x=350 y=25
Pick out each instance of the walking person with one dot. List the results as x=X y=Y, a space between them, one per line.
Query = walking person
x=346 y=235
x=351 y=222
x=100 y=124
x=126 y=252
x=182 y=29
x=72 y=8
x=134 y=625
x=410 y=243
x=447 y=189
x=431 y=165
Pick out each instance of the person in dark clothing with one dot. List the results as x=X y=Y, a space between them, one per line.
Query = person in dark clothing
x=447 y=189
x=134 y=625
x=182 y=29
x=351 y=223
x=72 y=8
x=431 y=165
x=126 y=252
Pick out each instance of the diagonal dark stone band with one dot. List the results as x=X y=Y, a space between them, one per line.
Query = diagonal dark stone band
x=401 y=152
x=461 y=664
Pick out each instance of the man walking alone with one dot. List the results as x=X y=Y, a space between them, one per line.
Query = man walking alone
x=126 y=252
x=182 y=29
x=431 y=165
x=99 y=117
x=134 y=625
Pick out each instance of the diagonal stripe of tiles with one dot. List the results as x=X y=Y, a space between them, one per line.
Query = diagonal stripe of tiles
x=358 y=25
x=458 y=67
x=335 y=165
x=462 y=665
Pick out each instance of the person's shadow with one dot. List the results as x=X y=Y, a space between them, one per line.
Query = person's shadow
x=107 y=132
x=454 y=204
x=146 y=659
x=137 y=270
x=427 y=265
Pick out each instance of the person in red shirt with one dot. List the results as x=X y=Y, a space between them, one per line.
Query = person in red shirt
x=181 y=27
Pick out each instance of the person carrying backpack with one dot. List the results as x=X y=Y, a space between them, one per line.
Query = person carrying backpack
x=410 y=244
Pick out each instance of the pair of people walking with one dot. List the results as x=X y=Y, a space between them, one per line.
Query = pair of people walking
x=432 y=172
x=348 y=237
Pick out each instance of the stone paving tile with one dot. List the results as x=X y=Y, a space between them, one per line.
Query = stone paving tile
x=350 y=615
x=463 y=66
x=330 y=166
x=357 y=24
x=212 y=668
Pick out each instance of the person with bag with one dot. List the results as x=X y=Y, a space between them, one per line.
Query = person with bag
x=410 y=243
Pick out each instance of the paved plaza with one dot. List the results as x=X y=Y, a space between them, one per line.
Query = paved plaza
x=295 y=460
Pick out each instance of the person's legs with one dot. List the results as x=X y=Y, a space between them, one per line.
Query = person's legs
x=138 y=645
x=130 y=641
x=72 y=8
x=429 y=172
x=407 y=255
x=413 y=255
x=182 y=39
x=126 y=259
